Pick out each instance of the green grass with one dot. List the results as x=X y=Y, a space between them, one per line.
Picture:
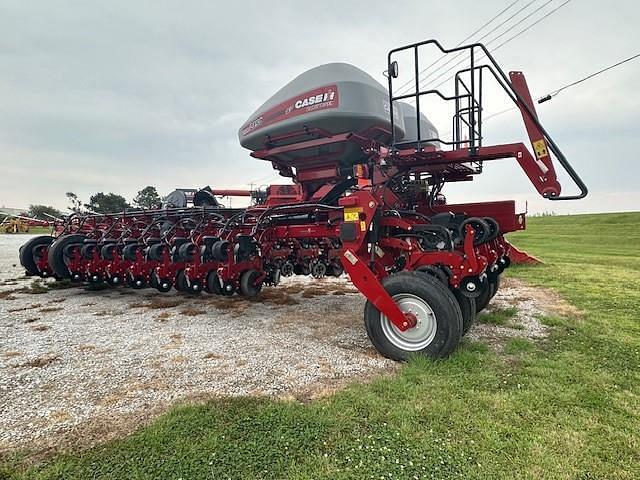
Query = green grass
x=498 y=316
x=567 y=407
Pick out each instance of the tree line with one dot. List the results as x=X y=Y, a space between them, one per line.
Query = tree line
x=99 y=202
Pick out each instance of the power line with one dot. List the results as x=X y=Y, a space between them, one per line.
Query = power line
x=549 y=13
x=408 y=82
x=556 y=92
x=424 y=80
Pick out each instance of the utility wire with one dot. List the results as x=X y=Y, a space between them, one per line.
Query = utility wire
x=513 y=37
x=424 y=81
x=556 y=92
x=408 y=82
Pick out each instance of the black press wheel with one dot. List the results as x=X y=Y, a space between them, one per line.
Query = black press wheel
x=439 y=326
x=488 y=292
x=248 y=285
x=213 y=283
x=58 y=253
x=163 y=285
x=496 y=286
x=28 y=251
x=181 y=282
x=468 y=309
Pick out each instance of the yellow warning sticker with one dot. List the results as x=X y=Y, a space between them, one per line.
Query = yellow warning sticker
x=540 y=147
x=363 y=226
x=352 y=214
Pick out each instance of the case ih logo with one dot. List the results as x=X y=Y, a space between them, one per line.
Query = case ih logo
x=321 y=98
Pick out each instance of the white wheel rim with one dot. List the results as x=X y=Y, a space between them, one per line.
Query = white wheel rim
x=418 y=337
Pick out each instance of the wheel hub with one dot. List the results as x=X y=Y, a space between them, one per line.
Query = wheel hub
x=421 y=334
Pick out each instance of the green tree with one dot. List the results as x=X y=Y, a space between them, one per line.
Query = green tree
x=75 y=204
x=148 y=198
x=107 y=203
x=43 y=211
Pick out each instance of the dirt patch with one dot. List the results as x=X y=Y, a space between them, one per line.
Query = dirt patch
x=39 y=362
x=520 y=305
x=50 y=309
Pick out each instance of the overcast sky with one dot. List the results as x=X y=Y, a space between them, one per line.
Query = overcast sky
x=113 y=96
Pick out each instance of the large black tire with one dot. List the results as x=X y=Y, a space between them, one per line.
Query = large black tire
x=27 y=259
x=56 y=255
x=439 y=314
x=467 y=305
x=248 y=288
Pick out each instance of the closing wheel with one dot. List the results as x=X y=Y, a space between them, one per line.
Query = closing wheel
x=28 y=251
x=487 y=294
x=181 y=282
x=58 y=252
x=163 y=285
x=439 y=318
x=194 y=286
x=114 y=280
x=213 y=283
x=318 y=270
x=138 y=282
x=249 y=287
x=468 y=309
x=287 y=269
x=495 y=286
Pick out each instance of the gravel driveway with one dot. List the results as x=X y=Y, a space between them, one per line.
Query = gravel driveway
x=79 y=367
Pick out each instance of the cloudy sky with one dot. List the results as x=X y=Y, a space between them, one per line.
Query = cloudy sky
x=113 y=96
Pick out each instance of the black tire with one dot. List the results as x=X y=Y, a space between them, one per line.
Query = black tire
x=248 y=286
x=107 y=251
x=186 y=251
x=487 y=294
x=163 y=285
x=496 y=286
x=220 y=250
x=129 y=252
x=27 y=259
x=446 y=330
x=213 y=283
x=468 y=309
x=181 y=282
x=138 y=283
x=155 y=251
x=494 y=228
x=435 y=272
x=56 y=254
x=481 y=228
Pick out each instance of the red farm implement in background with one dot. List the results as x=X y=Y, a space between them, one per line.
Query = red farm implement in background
x=368 y=170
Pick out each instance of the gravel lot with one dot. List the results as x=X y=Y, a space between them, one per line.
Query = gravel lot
x=80 y=366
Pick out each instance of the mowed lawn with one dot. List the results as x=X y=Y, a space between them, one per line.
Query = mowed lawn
x=566 y=407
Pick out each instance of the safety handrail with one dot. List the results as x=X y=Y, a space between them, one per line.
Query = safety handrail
x=504 y=82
